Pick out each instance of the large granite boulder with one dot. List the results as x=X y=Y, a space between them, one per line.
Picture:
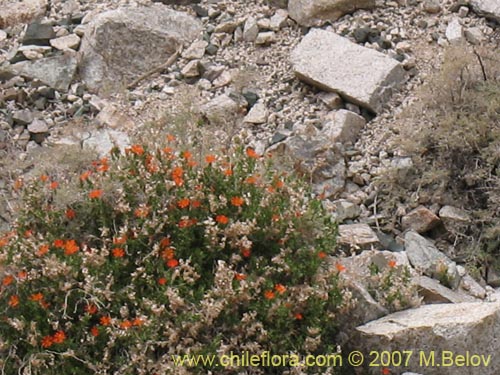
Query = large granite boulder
x=360 y=75
x=317 y=12
x=14 y=12
x=488 y=8
x=120 y=45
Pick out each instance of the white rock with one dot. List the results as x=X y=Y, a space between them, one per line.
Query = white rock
x=3 y=35
x=71 y=41
x=221 y=109
x=265 y=38
x=250 y=30
x=196 y=50
x=257 y=114
x=104 y=140
x=331 y=99
x=487 y=8
x=191 y=69
x=474 y=35
x=333 y=63
x=455 y=32
x=343 y=126
x=278 y=20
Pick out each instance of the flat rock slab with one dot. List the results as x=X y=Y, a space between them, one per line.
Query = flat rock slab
x=360 y=75
x=358 y=236
x=444 y=339
x=488 y=8
x=14 y=12
x=120 y=45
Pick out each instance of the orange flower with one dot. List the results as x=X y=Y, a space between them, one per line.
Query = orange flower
x=172 y=263
x=269 y=294
x=94 y=331
x=105 y=320
x=252 y=180
x=7 y=280
x=222 y=219
x=85 y=175
x=126 y=324
x=228 y=172
x=4 y=241
x=210 y=159
x=196 y=204
x=183 y=203
x=44 y=178
x=13 y=301
x=103 y=167
x=278 y=184
x=47 y=342
x=136 y=149
x=168 y=253
x=275 y=217
x=70 y=214
x=22 y=275
x=298 y=316
x=246 y=252
x=137 y=322
x=37 y=297
x=59 y=337
x=54 y=185
x=59 y=243
x=280 y=288
x=184 y=223
x=42 y=250
x=170 y=137
x=71 y=247
x=252 y=154
x=237 y=201
x=187 y=155
x=321 y=255
x=118 y=252
x=120 y=240
x=18 y=183
x=240 y=276
x=165 y=242
x=90 y=308
x=162 y=281
x=340 y=267
x=141 y=212
x=177 y=174
x=94 y=194
x=168 y=150
x=392 y=263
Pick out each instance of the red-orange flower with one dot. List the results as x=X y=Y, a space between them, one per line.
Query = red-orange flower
x=170 y=137
x=340 y=267
x=118 y=252
x=269 y=294
x=126 y=324
x=222 y=219
x=183 y=203
x=141 y=212
x=280 y=288
x=136 y=149
x=165 y=242
x=18 y=183
x=47 y=342
x=137 y=322
x=168 y=253
x=210 y=159
x=44 y=178
x=252 y=180
x=298 y=316
x=94 y=194
x=177 y=174
x=246 y=252
x=42 y=250
x=59 y=337
x=85 y=175
x=172 y=263
x=71 y=247
x=120 y=240
x=187 y=155
x=237 y=201
x=59 y=243
x=90 y=308
x=7 y=280
x=252 y=154
x=37 y=297
x=240 y=276
x=22 y=275
x=70 y=214
x=54 y=185
x=13 y=301
x=94 y=331
x=105 y=320
x=228 y=172
x=162 y=281
x=321 y=255
x=196 y=204
x=392 y=263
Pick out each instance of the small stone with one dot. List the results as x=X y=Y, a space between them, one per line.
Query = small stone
x=353 y=108
x=432 y=6
x=224 y=79
x=463 y=12
x=38 y=130
x=71 y=41
x=278 y=20
x=257 y=115
x=343 y=210
x=474 y=35
x=39 y=34
x=343 y=126
x=226 y=27
x=421 y=220
x=191 y=69
x=266 y=38
x=250 y=30
x=3 y=35
x=23 y=117
x=357 y=236
x=433 y=292
x=331 y=99
x=196 y=50
x=454 y=32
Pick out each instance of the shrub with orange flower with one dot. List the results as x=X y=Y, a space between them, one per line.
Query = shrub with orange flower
x=95 y=194
x=118 y=252
x=237 y=201
x=71 y=247
x=222 y=219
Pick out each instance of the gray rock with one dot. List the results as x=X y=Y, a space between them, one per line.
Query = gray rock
x=56 y=72
x=104 y=140
x=317 y=12
x=22 y=117
x=222 y=109
x=14 y=12
x=488 y=8
x=421 y=220
x=425 y=257
x=434 y=292
x=278 y=20
x=227 y=27
x=343 y=209
x=357 y=236
x=343 y=126
x=474 y=35
x=455 y=32
x=367 y=78
x=191 y=69
x=112 y=117
x=122 y=44
x=196 y=50
x=250 y=30
x=3 y=35
x=257 y=114
x=71 y=41
x=331 y=99
x=442 y=331
x=265 y=38
x=38 y=130
x=454 y=219
x=472 y=287
x=432 y=6
x=39 y=34
x=177 y=2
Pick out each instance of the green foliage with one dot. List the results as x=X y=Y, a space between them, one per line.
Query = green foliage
x=156 y=255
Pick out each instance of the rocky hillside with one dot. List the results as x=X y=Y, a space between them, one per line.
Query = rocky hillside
x=355 y=95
